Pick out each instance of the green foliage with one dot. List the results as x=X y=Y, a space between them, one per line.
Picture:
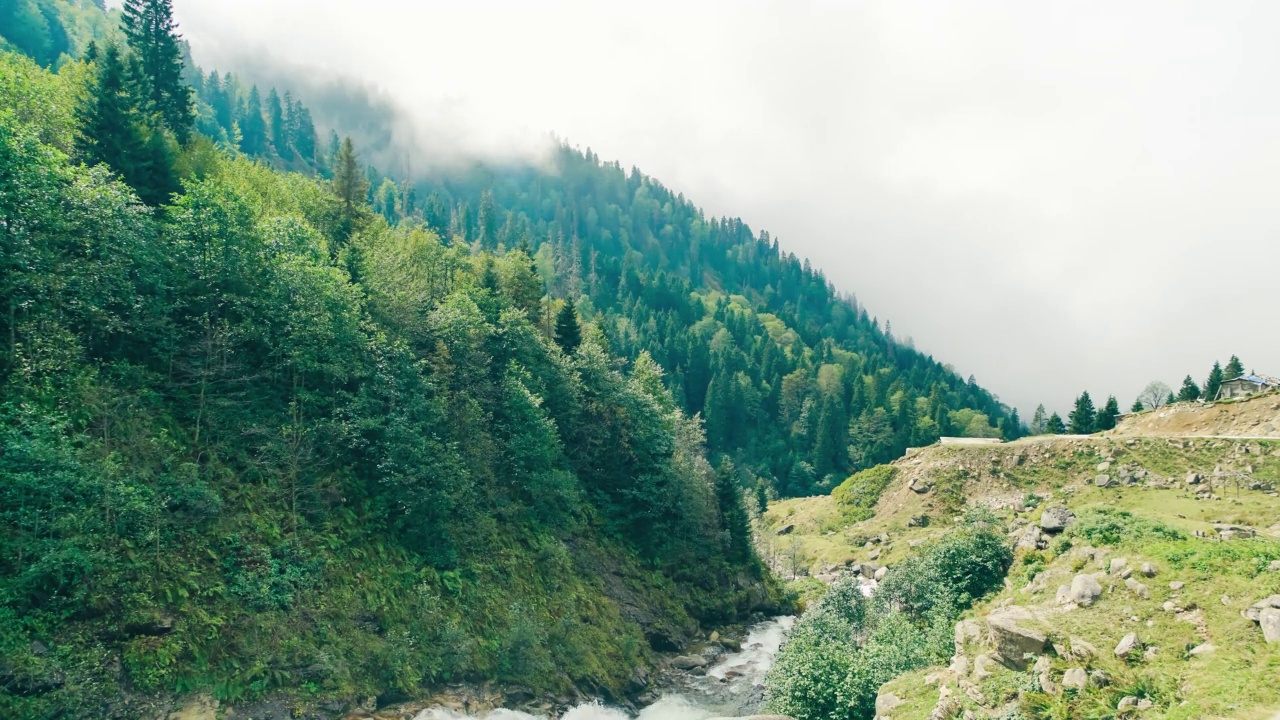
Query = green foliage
x=1110 y=526
x=847 y=646
x=319 y=463
x=861 y=491
x=1082 y=418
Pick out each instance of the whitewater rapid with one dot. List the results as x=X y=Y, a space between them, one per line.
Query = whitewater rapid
x=732 y=686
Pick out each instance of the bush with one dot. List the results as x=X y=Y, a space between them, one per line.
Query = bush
x=1109 y=526
x=847 y=646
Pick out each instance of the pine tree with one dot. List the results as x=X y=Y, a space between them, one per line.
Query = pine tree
x=350 y=186
x=1082 y=417
x=1234 y=369
x=1190 y=391
x=568 y=331
x=831 y=446
x=1038 y=421
x=733 y=516
x=762 y=497
x=275 y=124
x=1137 y=407
x=253 y=127
x=1055 y=425
x=1213 y=383
x=153 y=37
x=1108 y=414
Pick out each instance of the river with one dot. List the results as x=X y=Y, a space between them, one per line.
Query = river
x=732 y=686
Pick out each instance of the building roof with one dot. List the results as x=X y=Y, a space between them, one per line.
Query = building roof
x=1257 y=380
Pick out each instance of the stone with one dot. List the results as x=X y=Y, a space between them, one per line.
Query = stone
x=1148 y=570
x=1128 y=702
x=1099 y=679
x=715 y=636
x=1012 y=637
x=1274 y=566
x=1169 y=606
x=1137 y=588
x=1103 y=481
x=983 y=667
x=1056 y=519
x=886 y=703
x=1201 y=649
x=1254 y=612
x=1269 y=621
x=1145 y=704
x=1075 y=678
x=1104 y=466
x=785 y=529
x=946 y=708
x=1194 y=478
x=1029 y=539
x=1177 y=585
x=967 y=631
x=688 y=662
x=959 y=666
x=197 y=707
x=875 y=554
x=1082 y=650
x=919 y=487
x=1117 y=566
x=1127 y=645
x=879 y=574
x=1084 y=590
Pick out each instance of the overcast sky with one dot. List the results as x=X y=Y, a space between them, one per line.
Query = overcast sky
x=1051 y=196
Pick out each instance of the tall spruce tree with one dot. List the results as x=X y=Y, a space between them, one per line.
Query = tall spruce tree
x=153 y=37
x=1082 y=417
x=275 y=124
x=253 y=127
x=734 y=523
x=351 y=187
x=1190 y=391
x=1055 y=426
x=1234 y=369
x=1038 y=421
x=568 y=331
x=1213 y=383
x=1108 y=414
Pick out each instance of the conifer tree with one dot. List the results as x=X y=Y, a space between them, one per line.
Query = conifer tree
x=733 y=516
x=1234 y=369
x=568 y=331
x=253 y=127
x=153 y=37
x=762 y=497
x=1213 y=383
x=1082 y=417
x=1038 y=420
x=275 y=124
x=1137 y=407
x=1190 y=391
x=1108 y=414
x=1055 y=426
x=350 y=186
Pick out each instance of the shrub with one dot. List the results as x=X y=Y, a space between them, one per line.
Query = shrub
x=862 y=489
x=1109 y=526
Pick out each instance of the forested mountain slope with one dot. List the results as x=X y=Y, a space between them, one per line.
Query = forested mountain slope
x=253 y=439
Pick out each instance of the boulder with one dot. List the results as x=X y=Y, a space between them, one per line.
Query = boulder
x=1099 y=679
x=1269 y=620
x=983 y=667
x=1011 y=635
x=1194 y=478
x=1082 y=650
x=1201 y=649
x=1075 y=678
x=1274 y=566
x=688 y=662
x=1104 y=466
x=1127 y=645
x=1127 y=702
x=1118 y=565
x=1084 y=589
x=879 y=574
x=1103 y=481
x=785 y=529
x=1056 y=519
x=1254 y=612
x=919 y=487
x=1177 y=585
x=886 y=703
x=1137 y=588
x=1148 y=570
x=875 y=554
x=1029 y=539
x=967 y=631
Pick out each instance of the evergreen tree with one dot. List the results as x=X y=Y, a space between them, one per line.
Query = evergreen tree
x=1190 y=391
x=1136 y=407
x=831 y=446
x=1082 y=417
x=1055 y=426
x=1234 y=369
x=1213 y=383
x=568 y=331
x=734 y=522
x=253 y=127
x=1108 y=414
x=275 y=125
x=153 y=37
x=350 y=186
x=762 y=497
x=1038 y=421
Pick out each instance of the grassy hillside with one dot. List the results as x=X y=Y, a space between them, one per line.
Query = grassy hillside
x=1215 y=540
x=256 y=442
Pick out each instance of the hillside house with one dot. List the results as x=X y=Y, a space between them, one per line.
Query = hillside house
x=1246 y=385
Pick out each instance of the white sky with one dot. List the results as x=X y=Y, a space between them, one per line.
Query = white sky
x=1051 y=196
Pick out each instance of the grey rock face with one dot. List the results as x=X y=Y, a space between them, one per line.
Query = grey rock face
x=1056 y=519
x=1013 y=637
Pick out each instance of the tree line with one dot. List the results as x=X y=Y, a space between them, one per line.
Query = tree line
x=1085 y=418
